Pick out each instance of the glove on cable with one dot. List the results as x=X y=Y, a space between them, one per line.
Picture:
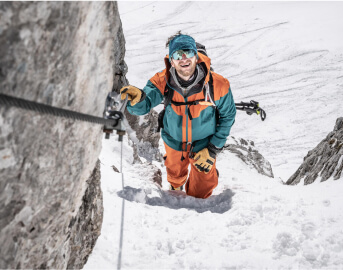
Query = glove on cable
x=205 y=158
x=134 y=94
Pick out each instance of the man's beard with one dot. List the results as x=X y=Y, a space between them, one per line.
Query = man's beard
x=186 y=73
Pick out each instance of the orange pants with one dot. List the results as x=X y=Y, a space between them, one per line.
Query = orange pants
x=199 y=184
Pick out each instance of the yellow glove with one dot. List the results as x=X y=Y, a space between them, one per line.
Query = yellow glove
x=204 y=160
x=134 y=94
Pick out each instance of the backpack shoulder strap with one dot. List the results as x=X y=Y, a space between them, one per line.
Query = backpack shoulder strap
x=168 y=96
x=211 y=96
x=209 y=91
x=210 y=83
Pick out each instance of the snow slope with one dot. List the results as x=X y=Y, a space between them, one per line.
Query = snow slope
x=288 y=56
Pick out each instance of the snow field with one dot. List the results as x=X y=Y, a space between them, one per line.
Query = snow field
x=250 y=222
x=287 y=56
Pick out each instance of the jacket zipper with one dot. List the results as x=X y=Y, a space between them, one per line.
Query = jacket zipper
x=187 y=118
x=186 y=108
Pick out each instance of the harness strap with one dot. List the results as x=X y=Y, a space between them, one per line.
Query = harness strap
x=189 y=104
x=195 y=102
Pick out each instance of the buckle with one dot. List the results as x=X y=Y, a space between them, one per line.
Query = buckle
x=191 y=154
x=185 y=146
x=191 y=146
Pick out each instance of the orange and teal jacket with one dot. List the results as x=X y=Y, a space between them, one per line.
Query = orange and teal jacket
x=178 y=128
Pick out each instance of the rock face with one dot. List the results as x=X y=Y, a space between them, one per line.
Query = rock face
x=324 y=161
x=68 y=55
x=86 y=226
x=246 y=151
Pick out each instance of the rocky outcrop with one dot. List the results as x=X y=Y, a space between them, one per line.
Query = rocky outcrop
x=246 y=151
x=68 y=55
x=140 y=129
x=324 y=161
x=146 y=138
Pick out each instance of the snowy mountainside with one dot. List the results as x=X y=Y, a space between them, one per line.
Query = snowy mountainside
x=279 y=54
x=250 y=222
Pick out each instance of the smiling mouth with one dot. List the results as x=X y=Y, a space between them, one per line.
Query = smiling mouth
x=186 y=65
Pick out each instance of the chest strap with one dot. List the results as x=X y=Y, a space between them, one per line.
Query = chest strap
x=189 y=104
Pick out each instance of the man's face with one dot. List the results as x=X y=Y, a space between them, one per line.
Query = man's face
x=185 y=67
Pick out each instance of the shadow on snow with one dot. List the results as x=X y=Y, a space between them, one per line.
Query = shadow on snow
x=178 y=199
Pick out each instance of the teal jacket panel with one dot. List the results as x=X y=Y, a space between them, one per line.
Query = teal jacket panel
x=172 y=124
x=227 y=113
x=204 y=125
x=152 y=99
x=179 y=146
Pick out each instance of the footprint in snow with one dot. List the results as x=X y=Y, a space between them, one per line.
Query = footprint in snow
x=220 y=203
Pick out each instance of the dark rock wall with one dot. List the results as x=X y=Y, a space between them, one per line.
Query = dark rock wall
x=68 y=55
x=86 y=226
x=324 y=161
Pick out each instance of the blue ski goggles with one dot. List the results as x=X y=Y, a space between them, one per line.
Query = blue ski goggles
x=178 y=54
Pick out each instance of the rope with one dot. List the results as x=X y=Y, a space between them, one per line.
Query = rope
x=122 y=210
x=47 y=109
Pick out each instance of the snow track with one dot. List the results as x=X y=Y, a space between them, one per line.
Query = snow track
x=178 y=199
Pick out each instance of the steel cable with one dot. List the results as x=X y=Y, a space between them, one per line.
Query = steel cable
x=47 y=109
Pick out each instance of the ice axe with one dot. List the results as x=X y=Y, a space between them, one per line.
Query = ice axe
x=251 y=107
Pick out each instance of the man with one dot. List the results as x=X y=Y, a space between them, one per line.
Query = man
x=197 y=118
